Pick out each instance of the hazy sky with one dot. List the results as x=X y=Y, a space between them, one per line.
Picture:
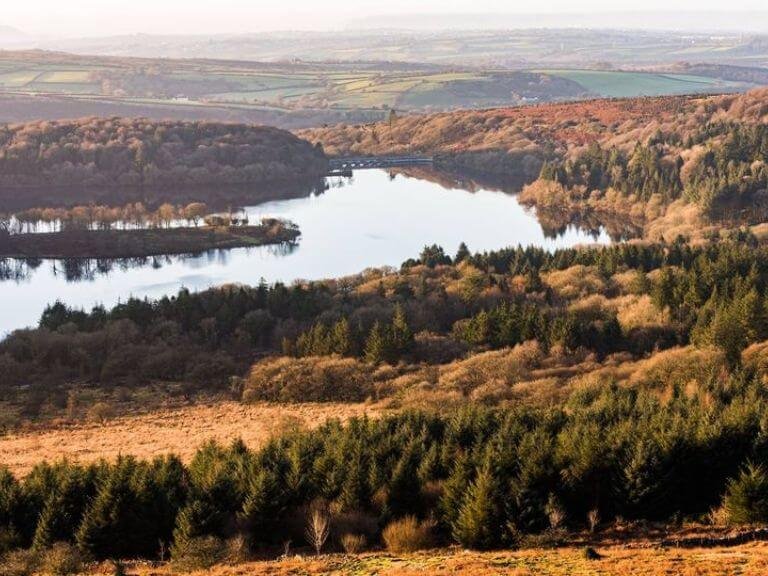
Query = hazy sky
x=106 y=17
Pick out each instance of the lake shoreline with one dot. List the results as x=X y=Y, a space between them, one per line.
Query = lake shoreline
x=148 y=242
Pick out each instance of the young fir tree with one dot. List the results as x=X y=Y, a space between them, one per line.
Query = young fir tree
x=11 y=510
x=341 y=338
x=479 y=524
x=110 y=525
x=196 y=520
x=356 y=489
x=263 y=507
x=400 y=333
x=454 y=490
x=63 y=511
x=746 y=498
x=403 y=496
x=378 y=346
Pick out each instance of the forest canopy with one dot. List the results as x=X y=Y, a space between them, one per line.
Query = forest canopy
x=139 y=152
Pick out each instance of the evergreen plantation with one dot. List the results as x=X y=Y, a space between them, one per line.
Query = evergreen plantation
x=488 y=477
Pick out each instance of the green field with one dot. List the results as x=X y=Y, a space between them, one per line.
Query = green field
x=326 y=90
x=615 y=84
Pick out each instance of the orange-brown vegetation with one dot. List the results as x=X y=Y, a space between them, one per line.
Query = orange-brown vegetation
x=514 y=144
x=180 y=430
x=527 y=128
x=133 y=152
x=628 y=558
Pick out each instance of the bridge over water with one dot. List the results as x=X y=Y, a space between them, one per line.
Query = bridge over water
x=344 y=166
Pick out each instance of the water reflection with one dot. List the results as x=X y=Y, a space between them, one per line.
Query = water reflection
x=374 y=219
x=88 y=269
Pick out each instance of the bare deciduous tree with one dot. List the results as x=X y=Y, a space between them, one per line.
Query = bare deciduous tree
x=318 y=526
x=593 y=519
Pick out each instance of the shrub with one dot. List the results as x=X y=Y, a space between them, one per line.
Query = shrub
x=62 y=559
x=19 y=563
x=590 y=553
x=199 y=554
x=312 y=379
x=408 y=535
x=237 y=550
x=101 y=412
x=746 y=498
x=353 y=543
x=355 y=522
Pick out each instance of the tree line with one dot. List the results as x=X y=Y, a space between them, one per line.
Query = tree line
x=724 y=162
x=100 y=217
x=705 y=295
x=486 y=478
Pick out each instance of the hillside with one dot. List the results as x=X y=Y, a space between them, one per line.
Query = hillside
x=595 y=409
x=505 y=141
x=38 y=84
x=112 y=152
x=543 y=131
x=644 y=159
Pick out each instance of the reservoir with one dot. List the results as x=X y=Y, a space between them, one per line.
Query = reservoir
x=375 y=218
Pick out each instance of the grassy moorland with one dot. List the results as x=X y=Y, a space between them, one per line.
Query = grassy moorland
x=625 y=557
x=106 y=428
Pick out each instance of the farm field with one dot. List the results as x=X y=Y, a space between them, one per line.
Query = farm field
x=616 y=84
x=321 y=92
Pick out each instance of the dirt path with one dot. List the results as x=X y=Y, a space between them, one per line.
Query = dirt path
x=180 y=431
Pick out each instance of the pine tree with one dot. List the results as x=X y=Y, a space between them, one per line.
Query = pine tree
x=263 y=506
x=341 y=338
x=196 y=520
x=429 y=468
x=108 y=529
x=356 y=489
x=404 y=488
x=746 y=499
x=11 y=508
x=479 y=524
x=401 y=335
x=378 y=347
x=462 y=253
x=63 y=510
x=454 y=490
x=663 y=292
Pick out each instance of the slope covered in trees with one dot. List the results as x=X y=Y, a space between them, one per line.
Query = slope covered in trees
x=643 y=159
x=484 y=324
x=485 y=478
x=137 y=152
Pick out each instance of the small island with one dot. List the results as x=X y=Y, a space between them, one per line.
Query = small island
x=145 y=242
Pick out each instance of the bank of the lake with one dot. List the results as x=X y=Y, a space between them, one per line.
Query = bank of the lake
x=147 y=242
x=377 y=218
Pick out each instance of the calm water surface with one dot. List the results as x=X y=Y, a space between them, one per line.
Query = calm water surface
x=369 y=221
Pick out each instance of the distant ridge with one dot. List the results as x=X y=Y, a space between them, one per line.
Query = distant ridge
x=694 y=21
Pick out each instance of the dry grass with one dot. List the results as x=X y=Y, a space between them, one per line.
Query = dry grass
x=180 y=431
x=617 y=559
